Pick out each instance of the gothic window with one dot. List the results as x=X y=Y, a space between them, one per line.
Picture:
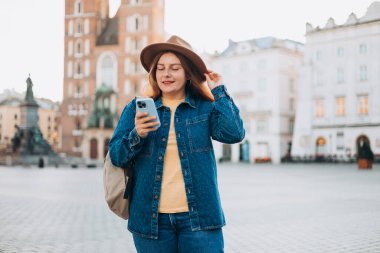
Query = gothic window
x=107 y=72
x=86 y=26
x=136 y=23
x=78 y=48
x=79 y=26
x=78 y=69
x=78 y=124
x=78 y=7
x=87 y=47
x=71 y=26
x=69 y=69
x=127 y=87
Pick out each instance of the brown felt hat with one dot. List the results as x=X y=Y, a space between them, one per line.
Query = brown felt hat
x=175 y=44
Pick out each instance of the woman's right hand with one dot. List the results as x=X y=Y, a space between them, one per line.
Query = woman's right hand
x=145 y=124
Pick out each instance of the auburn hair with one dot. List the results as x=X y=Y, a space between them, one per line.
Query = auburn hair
x=196 y=84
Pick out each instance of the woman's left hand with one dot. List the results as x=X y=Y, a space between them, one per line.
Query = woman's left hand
x=213 y=79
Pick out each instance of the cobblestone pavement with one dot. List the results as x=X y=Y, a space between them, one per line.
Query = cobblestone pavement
x=268 y=208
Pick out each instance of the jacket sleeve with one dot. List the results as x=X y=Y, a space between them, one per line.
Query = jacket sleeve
x=125 y=143
x=226 y=124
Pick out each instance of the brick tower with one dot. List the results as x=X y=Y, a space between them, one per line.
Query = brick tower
x=102 y=50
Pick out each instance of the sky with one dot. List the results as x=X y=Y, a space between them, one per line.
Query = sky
x=32 y=31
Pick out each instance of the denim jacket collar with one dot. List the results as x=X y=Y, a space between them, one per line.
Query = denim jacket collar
x=190 y=100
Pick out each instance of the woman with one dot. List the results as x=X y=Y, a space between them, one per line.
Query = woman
x=175 y=206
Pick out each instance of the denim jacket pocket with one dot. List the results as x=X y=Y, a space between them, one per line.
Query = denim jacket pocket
x=147 y=149
x=198 y=130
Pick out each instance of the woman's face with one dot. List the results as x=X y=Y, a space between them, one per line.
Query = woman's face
x=171 y=77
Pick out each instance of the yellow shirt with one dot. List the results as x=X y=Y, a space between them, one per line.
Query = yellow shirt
x=173 y=195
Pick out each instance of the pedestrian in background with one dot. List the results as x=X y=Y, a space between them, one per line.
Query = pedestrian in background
x=175 y=204
x=365 y=155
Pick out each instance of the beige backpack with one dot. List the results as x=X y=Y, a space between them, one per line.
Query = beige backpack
x=117 y=187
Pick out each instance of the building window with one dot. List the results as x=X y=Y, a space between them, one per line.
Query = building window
x=71 y=28
x=78 y=7
x=134 y=2
x=79 y=26
x=70 y=48
x=87 y=47
x=340 y=106
x=137 y=25
x=107 y=70
x=340 y=141
x=339 y=52
x=78 y=48
x=87 y=68
x=136 y=86
x=340 y=75
x=363 y=49
x=136 y=45
x=69 y=69
x=86 y=26
x=362 y=104
x=16 y=116
x=319 y=108
x=78 y=69
x=262 y=126
x=363 y=73
x=127 y=87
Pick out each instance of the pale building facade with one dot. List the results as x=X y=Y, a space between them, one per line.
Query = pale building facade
x=262 y=77
x=338 y=101
x=102 y=50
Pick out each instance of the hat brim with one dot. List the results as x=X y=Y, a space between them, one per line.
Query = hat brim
x=149 y=53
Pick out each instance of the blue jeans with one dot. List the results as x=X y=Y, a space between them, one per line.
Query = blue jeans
x=175 y=235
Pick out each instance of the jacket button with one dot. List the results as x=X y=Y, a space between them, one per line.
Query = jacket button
x=163 y=139
x=158 y=177
x=154 y=215
x=155 y=196
x=160 y=157
x=182 y=154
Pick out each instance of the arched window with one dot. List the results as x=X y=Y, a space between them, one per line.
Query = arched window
x=136 y=23
x=78 y=26
x=78 y=47
x=78 y=125
x=107 y=70
x=78 y=7
x=78 y=69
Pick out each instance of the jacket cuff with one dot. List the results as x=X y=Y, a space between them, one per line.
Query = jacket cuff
x=219 y=92
x=134 y=138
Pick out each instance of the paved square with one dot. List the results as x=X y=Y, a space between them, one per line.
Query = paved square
x=286 y=208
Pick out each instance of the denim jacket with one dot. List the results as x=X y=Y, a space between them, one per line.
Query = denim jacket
x=196 y=121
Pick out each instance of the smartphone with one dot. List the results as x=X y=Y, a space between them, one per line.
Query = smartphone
x=148 y=105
